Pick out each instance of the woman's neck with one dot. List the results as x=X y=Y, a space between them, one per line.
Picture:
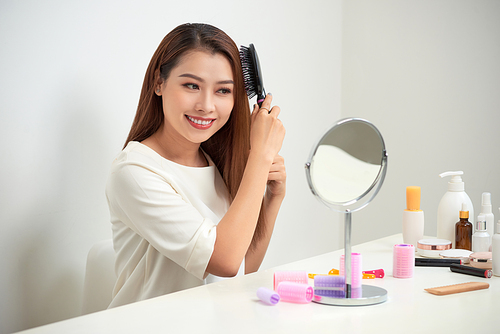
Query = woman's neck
x=186 y=154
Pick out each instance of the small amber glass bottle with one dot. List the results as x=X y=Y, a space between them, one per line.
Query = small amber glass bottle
x=463 y=230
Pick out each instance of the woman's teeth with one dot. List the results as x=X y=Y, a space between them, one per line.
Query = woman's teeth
x=197 y=121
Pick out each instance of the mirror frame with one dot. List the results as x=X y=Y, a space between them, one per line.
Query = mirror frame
x=365 y=198
x=370 y=295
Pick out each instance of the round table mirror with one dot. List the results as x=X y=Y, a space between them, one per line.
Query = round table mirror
x=345 y=171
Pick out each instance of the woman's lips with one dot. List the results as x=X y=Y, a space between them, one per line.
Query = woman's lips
x=200 y=122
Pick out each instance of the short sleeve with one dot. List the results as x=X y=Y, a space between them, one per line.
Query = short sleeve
x=146 y=201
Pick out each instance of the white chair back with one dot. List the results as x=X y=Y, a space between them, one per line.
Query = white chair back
x=100 y=277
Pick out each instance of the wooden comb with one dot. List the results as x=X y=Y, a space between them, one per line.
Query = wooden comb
x=457 y=288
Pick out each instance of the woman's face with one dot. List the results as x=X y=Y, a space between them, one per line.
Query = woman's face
x=197 y=97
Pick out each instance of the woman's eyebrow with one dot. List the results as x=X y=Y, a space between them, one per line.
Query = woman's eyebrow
x=192 y=76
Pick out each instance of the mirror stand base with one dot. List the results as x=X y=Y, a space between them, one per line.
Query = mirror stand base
x=366 y=295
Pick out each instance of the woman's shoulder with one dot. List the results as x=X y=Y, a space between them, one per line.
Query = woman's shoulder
x=137 y=161
x=136 y=152
x=136 y=167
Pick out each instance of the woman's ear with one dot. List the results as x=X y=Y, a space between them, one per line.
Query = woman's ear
x=158 y=83
x=158 y=87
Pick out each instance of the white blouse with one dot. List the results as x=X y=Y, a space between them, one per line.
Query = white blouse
x=164 y=217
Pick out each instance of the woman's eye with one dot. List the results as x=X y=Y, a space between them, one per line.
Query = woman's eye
x=191 y=86
x=224 y=91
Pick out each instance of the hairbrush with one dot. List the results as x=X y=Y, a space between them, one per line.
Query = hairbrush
x=252 y=74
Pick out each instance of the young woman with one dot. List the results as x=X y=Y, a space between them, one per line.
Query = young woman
x=195 y=193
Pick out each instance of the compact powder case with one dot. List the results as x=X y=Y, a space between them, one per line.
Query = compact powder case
x=461 y=254
x=481 y=260
x=432 y=247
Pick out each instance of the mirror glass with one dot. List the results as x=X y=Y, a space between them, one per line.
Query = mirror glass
x=347 y=162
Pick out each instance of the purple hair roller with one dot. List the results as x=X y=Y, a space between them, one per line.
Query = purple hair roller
x=268 y=296
x=329 y=286
x=330 y=281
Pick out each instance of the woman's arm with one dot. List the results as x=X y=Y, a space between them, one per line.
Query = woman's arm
x=272 y=201
x=235 y=230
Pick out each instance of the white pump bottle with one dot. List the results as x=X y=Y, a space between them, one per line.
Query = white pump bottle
x=450 y=206
x=488 y=214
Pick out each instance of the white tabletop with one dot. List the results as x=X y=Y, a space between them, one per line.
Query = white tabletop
x=232 y=306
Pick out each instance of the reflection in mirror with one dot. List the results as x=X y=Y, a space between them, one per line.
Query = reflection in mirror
x=340 y=177
x=347 y=162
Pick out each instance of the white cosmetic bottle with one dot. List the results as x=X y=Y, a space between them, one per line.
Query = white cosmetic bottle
x=488 y=214
x=481 y=238
x=413 y=218
x=450 y=206
x=495 y=249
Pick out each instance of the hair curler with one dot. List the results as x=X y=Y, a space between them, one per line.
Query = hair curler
x=379 y=273
x=289 y=276
x=356 y=273
x=403 y=261
x=295 y=292
x=268 y=296
x=329 y=286
x=329 y=281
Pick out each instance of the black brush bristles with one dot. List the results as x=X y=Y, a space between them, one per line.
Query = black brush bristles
x=252 y=74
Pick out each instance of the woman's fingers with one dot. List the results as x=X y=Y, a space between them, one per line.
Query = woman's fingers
x=277 y=172
x=275 y=111
x=276 y=180
x=267 y=131
x=266 y=105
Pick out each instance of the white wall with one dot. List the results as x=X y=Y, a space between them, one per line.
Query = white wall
x=427 y=74
x=71 y=73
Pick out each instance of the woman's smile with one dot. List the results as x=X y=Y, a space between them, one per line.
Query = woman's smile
x=200 y=123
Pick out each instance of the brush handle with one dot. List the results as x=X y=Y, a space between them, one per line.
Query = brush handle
x=261 y=97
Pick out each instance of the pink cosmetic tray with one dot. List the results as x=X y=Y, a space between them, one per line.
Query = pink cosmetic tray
x=481 y=260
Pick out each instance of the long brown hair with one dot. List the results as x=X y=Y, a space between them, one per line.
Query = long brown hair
x=228 y=147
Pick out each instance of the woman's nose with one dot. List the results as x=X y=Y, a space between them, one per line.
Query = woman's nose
x=206 y=102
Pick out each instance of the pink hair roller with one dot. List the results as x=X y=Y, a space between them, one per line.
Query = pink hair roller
x=268 y=296
x=356 y=273
x=403 y=261
x=357 y=292
x=295 y=292
x=289 y=276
